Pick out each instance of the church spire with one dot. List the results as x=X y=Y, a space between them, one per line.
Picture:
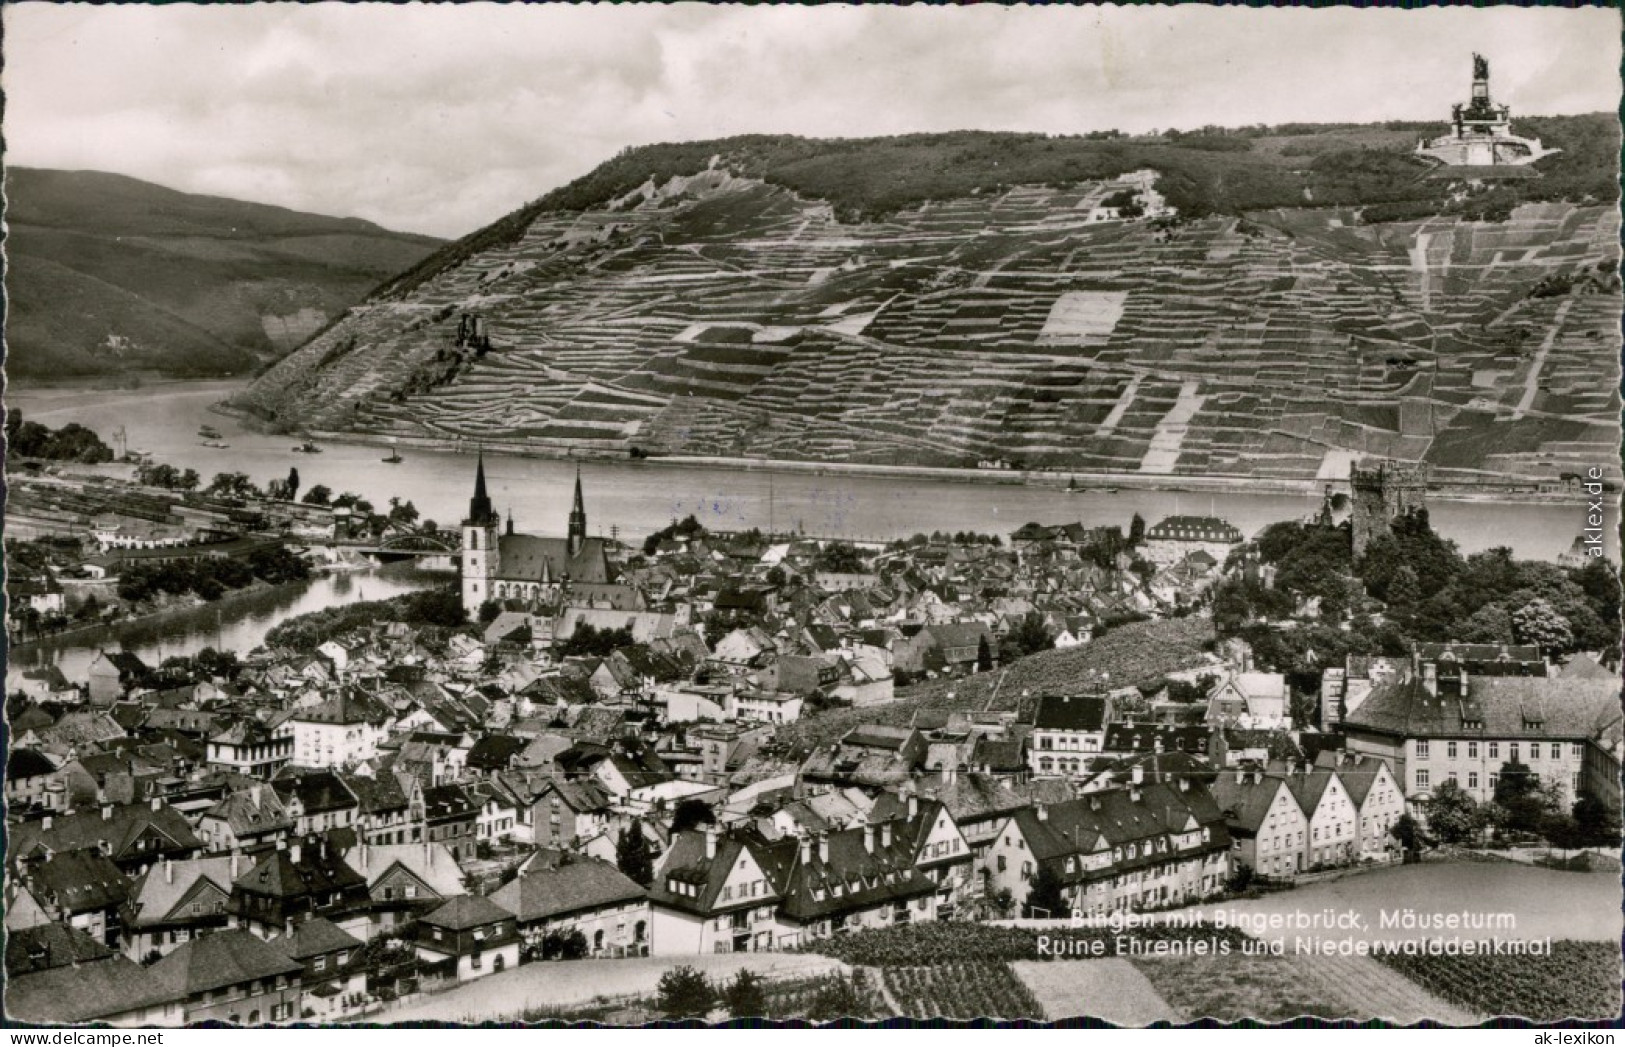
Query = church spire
x=480 y=511
x=578 y=520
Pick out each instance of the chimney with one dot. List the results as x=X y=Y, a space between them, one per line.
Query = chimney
x=1241 y=776
x=169 y=871
x=1042 y=810
x=1184 y=784
x=1094 y=801
x=869 y=838
x=823 y=848
x=236 y=856
x=804 y=845
x=157 y=803
x=45 y=823
x=428 y=853
x=949 y=776
x=294 y=852
x=913 y=805
x=107 y=812
x=710 y=842
x=1137 y=775
x=1134 y=794
x=254 y=795
x=885 y=834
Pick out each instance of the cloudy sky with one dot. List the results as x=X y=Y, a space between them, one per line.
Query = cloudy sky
x=438 y=119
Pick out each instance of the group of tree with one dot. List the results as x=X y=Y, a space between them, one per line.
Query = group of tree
x=1411 y=584
x=839 y=558
x=1028 y=636
x=633 y=855
x=920 y=540
x=435 y=612
x=71 y=443
x=590 y=641
x=1523 y=803
x=688 y=528
x=686 y=993
x=162 y=474
x=210 y=577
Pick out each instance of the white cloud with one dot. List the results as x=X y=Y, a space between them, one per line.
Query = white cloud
x=439 y=118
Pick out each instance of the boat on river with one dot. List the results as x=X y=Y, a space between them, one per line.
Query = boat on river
x=306 y=448
x=394 y=458
x=209 y=432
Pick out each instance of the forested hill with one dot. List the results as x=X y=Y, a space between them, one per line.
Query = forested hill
x=1314 y=294
x=110 y=275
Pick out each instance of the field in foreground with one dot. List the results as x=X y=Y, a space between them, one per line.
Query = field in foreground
x=1112 y=990
x=1579 y=980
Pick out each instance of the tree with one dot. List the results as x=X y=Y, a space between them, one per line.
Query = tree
x=691 y=814
x=1029 y=636
x=775 y=575
x=188 y=480
x=839 y=558
x=984 y=654
x=1136 y=530
x=403 y=513
x=1599 y=823
x=321 y=494
x=292 y=485
x=684 y=992
x=744 y=996
x=566 y=946
x=1563 y=832
x=489 y=611
x=1525 y=798
x=632 y=855
x=1538 y=622
x=1046 y=898
x=1452 y=813
x=1404 y=830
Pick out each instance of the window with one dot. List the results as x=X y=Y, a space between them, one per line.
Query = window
x=476 y=961
x=1557 y=750
x=1577 y=750
x=1421 y=748
x=319 y=964
x=1494 y=780
x=1422 y=779
x=1001 y=863
x=1495 y=750
x=1472 y=779
x=1472 y=750
x=1574 y=782
x=1450 y=750
x=1452 y=778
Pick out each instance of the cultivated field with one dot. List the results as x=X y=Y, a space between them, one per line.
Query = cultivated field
x=1113 y=990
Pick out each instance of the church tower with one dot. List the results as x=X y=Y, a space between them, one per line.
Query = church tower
x=578 y=522
x=480 y=549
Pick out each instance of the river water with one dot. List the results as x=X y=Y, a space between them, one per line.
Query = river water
x=633 y=499
x=237 y=622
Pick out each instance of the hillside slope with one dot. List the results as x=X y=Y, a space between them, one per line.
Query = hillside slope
x=950 y=299
x=110 y=274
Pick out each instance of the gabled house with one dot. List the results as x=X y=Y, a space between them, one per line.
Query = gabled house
x=172 y=903
x=468 y=937
x=1334 y=821
x=406 y=880
x=1067 y=732
x=133 y=836
x=718 y=892
x=587 y=895
x=451 y=817
x=288 y=887
x=389 y=807
x=1267 y=827
x=341 y=731
x=564 y=811
x=246 y=819
x=1249 y=699
x=1372 y=788
x=317 y=801
x=83 y=890
x=332 y=980
x=250 y=748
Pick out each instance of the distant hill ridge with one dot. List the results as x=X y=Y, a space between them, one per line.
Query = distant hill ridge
x=957 y=299
x=110 y=274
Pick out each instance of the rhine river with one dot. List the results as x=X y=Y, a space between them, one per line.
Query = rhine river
x=633 y=499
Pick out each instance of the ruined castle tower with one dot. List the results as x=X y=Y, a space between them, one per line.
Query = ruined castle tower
x=1382 y=493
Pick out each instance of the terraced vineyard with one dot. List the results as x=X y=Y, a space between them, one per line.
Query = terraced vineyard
x=721 y=315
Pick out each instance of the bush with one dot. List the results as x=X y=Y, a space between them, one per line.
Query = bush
x=685 y=993
x=744 y=997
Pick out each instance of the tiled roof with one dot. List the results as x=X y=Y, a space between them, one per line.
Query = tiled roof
x=576 y=886
x=86 y=993
x=1508 y=707
x=1071 y=713
x=50 y=945
x=216 y=960
x=465 y=911
x=317 y=936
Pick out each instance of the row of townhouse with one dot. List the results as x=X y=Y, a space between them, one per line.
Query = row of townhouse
x=1285 y=819
x=1146 y=844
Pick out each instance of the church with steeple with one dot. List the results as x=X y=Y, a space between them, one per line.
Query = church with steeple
x=498 y=564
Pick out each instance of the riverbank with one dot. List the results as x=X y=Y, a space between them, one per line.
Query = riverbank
x=1054 y=480
x=172 y=608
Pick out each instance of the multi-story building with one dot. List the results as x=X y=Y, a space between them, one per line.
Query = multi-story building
x=1375 y=792
x=1147 y=845
x=232 y=976
x=1334 y=818
x=341 y=732
x=1068 y=731
x=1176 y=537
x=1267 y=827
x=1434 y=730
x=585 y=895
